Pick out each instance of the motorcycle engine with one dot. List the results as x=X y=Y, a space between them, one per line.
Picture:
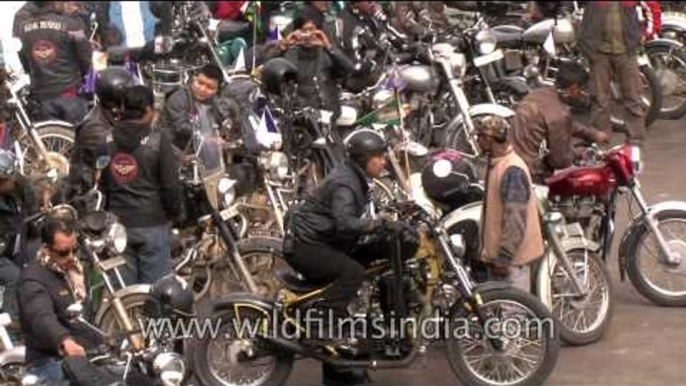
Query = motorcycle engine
x=587 y=211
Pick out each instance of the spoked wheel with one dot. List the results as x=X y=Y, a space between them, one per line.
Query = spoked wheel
x=261 y=261
x=656 y=277
x=232 y=358
x=58 y=142
x=582 y=319
x=670 y=67
x=524 y=330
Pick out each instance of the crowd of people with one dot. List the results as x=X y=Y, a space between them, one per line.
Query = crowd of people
x=142 y=147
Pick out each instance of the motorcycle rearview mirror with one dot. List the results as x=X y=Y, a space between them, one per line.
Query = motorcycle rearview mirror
x=442 y=168
x=75 y=310
x=102 y=162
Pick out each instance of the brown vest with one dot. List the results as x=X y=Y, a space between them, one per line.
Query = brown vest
x=532 y=245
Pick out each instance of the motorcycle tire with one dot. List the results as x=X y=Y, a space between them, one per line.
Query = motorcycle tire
x=632 y=262
x=678 y=57
x=203 y=363
x=59 y=142
x=569 y=334
x=457 y=355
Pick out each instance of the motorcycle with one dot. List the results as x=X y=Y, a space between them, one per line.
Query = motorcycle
x=44 y=146
x=588 y=195
x=667 y=56
x=214 y=258
x=533 y=52
x=433 y=282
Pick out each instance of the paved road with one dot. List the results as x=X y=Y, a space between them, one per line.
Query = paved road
x=645 y=344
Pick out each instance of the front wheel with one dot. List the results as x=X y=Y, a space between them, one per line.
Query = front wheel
x=525 y=331
x=652 y=274
x=582 y=320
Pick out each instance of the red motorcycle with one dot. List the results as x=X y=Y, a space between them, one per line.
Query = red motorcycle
x=652 y=252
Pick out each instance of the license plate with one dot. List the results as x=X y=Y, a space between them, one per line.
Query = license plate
x=230 y=213
x=643 y=60
x=490 y=58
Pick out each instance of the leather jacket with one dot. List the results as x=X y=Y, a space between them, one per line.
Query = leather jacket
x=44 y=296
x=55 y=52
x=594 y=22
x=319 y=71
x=90 y=136
x=332 y=214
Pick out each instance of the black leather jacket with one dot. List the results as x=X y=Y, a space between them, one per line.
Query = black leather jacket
x=332 y=214
x=55 y=52
x=319 y=71
x=141 y=182
x=44 y=296
x=91 y=135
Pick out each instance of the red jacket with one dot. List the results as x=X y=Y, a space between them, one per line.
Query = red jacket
x=229 y=10
x=651 y=18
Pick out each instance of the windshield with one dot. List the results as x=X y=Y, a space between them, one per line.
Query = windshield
x=207 y=148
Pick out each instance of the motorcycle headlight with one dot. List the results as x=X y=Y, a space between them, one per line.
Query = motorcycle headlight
x=170 y=367
x=117 y=237
x=486 y=42
x=276 y=164
x=227 y=189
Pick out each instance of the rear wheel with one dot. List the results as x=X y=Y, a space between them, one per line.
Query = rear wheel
x=232 y=359
x=670 y=68
x=524 y=328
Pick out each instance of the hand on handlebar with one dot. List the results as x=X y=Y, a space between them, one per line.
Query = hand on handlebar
x=69 y=347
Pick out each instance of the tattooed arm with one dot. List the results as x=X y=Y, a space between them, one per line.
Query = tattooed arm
x=515 y=191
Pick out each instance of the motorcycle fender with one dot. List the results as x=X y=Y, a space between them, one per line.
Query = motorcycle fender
x=16 y=355
x=40 y=125
x=266 y=244
x=246 y=300
x=674 y=23
x=628 y=243
x=543 y=284
x=470 y=212
x=669 y=43
x=491 y=286
x=121 y=294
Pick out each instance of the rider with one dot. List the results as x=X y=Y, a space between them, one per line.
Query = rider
x=324 y=233
x=53 y=282
x=544 y=117
x=197 y=104
x=92 y=133
x=511 y=234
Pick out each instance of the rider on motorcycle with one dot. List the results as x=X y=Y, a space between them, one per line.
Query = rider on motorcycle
x=544 y=118
x=323 y=234
x=53 y=282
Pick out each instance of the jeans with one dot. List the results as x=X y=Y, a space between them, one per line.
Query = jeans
x=148 y=254
x=50 y=374
x=69 y=109
x=9 y=278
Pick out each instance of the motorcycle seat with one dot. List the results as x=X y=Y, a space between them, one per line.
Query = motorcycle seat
x=227 y=30
x=508 y=36
x=296 y=282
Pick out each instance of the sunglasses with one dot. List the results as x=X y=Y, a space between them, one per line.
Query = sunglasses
x=62 y=254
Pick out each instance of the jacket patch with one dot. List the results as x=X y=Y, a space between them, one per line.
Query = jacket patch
x=124 y=168
x=44 y=51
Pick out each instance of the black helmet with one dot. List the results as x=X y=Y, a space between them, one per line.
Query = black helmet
x=363 y=144
x=169 y=296
x=111 y=84
x=277 y=72
x=455 y=187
